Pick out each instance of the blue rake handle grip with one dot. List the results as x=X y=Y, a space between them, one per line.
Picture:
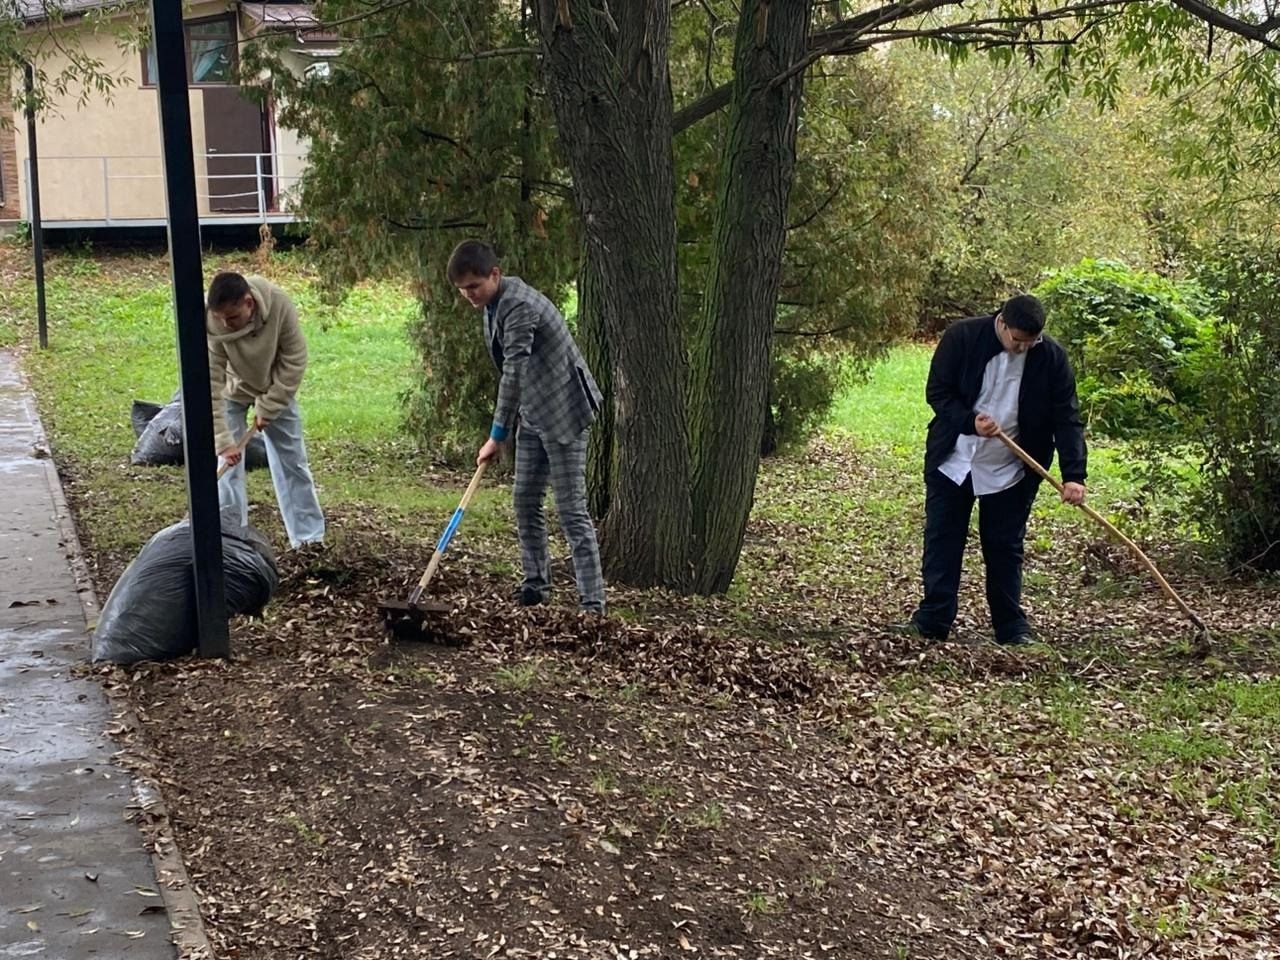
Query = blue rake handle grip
x=443 y=543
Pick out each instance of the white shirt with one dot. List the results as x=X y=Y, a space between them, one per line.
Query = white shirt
x=993 y=465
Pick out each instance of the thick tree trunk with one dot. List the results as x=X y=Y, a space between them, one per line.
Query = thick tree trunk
x=733 y=338
x=609 y=86
x=595 y=349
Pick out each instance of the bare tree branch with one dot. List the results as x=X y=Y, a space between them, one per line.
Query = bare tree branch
x=816 y=212
x=702 y=108
x=450 y=224
x=1216 y=17
x=860 y=33
x=487 y=55
x=782 y=332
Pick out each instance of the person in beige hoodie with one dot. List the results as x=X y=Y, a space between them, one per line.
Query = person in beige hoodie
x=257 y=356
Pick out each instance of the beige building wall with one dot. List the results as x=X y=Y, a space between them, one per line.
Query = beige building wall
x=103 y=157
x=290 y=148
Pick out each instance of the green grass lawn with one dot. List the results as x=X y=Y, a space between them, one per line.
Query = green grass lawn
x=111 y=341
x=888 y=410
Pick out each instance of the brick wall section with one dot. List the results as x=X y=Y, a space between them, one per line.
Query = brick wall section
x=10 y=206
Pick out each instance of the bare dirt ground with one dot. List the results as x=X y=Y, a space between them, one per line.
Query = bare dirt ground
x=767 y=774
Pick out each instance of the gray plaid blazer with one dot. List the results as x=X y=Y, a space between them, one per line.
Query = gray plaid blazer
x=544 y=377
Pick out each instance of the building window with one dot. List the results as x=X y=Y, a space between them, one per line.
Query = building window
x=211 y=53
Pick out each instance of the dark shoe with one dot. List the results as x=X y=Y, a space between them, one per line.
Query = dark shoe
x=1017 y=640
x=909 y=629
x=529 y=597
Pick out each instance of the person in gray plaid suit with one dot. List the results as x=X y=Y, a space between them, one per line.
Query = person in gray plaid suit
x=549 y=399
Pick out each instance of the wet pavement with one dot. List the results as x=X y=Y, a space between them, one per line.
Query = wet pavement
x=75 y=880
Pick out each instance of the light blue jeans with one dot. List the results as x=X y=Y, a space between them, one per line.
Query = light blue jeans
x=290 y=474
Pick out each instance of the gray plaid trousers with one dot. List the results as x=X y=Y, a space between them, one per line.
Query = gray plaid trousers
x=564 y=466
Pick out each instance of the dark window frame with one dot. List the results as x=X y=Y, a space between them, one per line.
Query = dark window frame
x=234 y=43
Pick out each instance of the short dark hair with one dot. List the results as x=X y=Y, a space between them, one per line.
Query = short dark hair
x=471 y=258
x=227 y=289
x=1023 y=312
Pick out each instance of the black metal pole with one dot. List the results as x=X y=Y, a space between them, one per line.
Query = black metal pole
x=37 y=225
x=188 y=302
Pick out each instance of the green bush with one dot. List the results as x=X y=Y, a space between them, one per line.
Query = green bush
x=803 y=387
x=1136 y=341
x=1240 y=405
x=450 y=405
x=449 y=408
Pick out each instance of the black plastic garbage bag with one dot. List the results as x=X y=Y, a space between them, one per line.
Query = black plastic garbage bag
x=141 y=414
x=159 y=432
x=160 y=437
x=150 y=614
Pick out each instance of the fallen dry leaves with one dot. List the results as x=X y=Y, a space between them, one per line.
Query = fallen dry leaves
x=765 y=774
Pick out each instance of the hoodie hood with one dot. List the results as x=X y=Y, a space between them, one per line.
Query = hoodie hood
x=219 y=332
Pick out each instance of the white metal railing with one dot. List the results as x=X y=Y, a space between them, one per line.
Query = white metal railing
x=266 y=176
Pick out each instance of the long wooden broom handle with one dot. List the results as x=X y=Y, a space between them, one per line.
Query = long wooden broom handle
x=1110 y=527
x=244 y=442
x=445 y=537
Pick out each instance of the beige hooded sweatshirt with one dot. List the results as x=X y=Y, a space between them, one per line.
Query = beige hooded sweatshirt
x=261 y=364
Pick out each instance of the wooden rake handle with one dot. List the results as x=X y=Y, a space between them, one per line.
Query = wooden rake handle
x=241 y=445
x=1110 y=527
x=443 y=543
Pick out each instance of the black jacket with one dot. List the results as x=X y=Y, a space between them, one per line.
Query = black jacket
x=1048 y=413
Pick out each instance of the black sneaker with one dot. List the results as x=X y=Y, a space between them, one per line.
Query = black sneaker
x=909 y=629
x=529 y=597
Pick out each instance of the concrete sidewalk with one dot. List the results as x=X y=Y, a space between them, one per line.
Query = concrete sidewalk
x=75 y=880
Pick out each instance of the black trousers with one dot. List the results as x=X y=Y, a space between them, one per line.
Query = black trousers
x=1002 y=528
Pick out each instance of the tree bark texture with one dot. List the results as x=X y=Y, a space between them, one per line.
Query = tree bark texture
x=733 y=337
x=610 y=89
x=595 y=349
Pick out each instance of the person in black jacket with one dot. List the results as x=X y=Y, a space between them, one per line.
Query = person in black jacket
x=995 y=371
